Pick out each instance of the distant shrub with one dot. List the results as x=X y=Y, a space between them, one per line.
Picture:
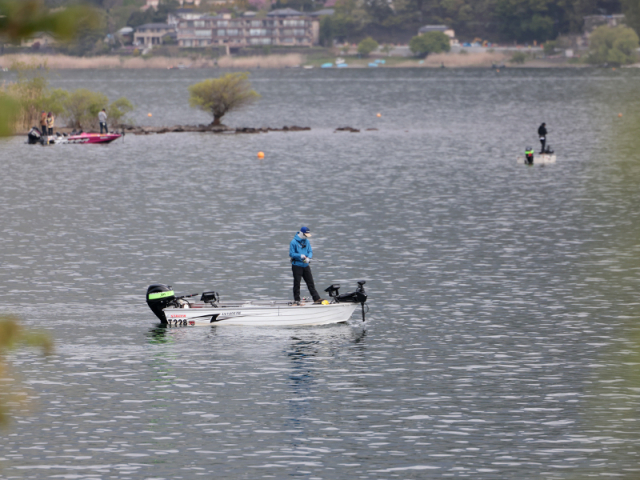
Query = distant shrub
x=518 y=57
x=614 y=46
x=550 y=47
x=430 y=42
x=366 y=46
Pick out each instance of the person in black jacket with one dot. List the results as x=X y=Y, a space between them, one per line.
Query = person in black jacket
x=542 y=133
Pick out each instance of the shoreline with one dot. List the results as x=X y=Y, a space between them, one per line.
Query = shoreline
x=276 y=61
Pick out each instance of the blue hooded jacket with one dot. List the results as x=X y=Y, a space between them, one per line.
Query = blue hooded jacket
x=300 y=246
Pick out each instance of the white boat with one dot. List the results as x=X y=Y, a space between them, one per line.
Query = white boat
x=182 y=311
x=538 y=159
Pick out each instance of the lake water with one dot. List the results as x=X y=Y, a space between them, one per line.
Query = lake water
x=502 y=297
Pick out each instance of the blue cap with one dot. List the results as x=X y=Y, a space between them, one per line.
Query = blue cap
x=305 y=230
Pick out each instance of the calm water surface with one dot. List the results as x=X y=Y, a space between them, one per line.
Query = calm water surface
x=502 y=297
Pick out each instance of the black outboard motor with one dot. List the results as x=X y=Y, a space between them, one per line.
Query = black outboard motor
x=548 y=150
x=160 y=296
x=34 y=136
x=359 y=296
x=528 y=156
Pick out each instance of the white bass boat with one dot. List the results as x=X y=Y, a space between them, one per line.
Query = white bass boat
x=539 y=159
x=183 y=311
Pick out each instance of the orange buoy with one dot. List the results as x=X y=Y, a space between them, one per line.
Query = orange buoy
x=149 y=115
x=378 y=115
x=619 y=115
x=260 y=155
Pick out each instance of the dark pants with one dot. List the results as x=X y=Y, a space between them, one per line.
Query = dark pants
x=103 y=125
x=50 y=131
x=43 y=129
x=298 y=274
x=543 y=141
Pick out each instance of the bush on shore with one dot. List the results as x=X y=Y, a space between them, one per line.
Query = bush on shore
x=366 y=46
x=613 y=46
x=430 y=42
x=30 y=95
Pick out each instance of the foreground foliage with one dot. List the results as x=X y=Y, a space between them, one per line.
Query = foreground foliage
x=219 y=96
x=12 y=335
x=20 y=19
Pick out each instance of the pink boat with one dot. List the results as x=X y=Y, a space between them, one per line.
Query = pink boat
x=89 y=138
x=35 y=137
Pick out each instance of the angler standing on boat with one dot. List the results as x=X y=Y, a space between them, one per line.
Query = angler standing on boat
x=301 y=254
x=43 y=123
x=542 y=133
x=50 y=123
x=102 y=118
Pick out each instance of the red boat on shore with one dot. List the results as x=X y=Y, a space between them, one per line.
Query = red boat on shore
x=89 y=138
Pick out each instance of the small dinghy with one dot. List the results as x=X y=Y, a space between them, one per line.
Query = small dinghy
x=530 y=157
x=182 y=311
x=540 y=159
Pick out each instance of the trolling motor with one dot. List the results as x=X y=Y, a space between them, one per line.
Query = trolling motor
x=528 y=156
x=359 y=296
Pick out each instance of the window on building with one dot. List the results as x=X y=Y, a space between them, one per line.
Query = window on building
x=257 y=32
x=299 y=32
x=231 y=31
x=293 y=23
x=256 y=23
x=222 y=32
x=288 y=40
x=223 y=23
x=203 y=33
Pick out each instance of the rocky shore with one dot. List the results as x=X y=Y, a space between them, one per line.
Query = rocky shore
x=210 y=128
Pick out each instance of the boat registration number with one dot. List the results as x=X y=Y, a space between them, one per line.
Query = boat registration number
x=176 y=322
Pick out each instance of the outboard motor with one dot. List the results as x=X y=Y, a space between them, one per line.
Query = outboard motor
x=548 y=150
x=528 y=156
x=359 y=296
x=34 y=136
x=160 y=296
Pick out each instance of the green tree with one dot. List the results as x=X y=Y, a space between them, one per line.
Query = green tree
x=430 y=42
x=366 y=46
x=615 y=46
x=117 y=110
x=82 y=107
x=631 y=10
x=219 y=96
x=518 y=57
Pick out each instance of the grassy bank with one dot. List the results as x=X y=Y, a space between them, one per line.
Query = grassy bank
x=288 y=60
x=57 y=62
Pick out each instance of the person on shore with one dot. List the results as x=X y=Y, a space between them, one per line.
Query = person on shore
x=43 y=122
x=50 y=123
x=542 y=133
x=301 y=253
x=102 y=118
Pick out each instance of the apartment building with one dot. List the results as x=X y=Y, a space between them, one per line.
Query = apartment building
x=285 y=26
x=151 y=34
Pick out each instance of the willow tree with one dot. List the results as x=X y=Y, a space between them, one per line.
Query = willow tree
x=219 y=96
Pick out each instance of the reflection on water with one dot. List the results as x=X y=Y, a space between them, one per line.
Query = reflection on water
x=499 y=343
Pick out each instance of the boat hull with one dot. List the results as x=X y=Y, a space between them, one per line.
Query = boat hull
x=83 y=138
x=279 y=315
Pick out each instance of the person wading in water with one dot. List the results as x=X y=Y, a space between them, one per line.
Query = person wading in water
x=300 y=253
x=542 y=133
